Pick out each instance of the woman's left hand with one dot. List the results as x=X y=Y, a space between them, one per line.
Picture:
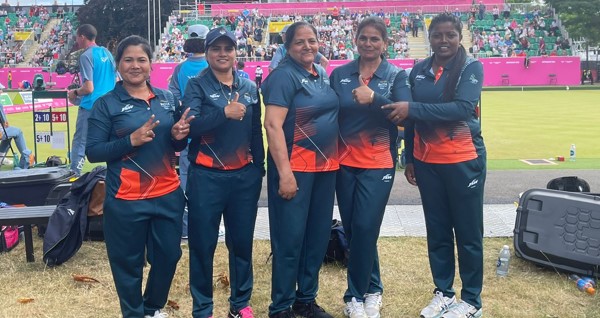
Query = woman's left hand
x=399 y=112
x=363 y=94
x=182 y=128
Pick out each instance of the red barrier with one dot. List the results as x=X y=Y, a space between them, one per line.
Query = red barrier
x=313 y=7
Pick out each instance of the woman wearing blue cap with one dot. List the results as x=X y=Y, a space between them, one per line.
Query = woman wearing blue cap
x=225 y=176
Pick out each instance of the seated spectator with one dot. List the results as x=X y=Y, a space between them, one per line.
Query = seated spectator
x=8 y=131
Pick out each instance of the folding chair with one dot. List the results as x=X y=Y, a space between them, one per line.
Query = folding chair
x=8 y=139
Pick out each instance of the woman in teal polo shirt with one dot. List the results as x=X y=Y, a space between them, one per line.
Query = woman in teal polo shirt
x=368 y=153
x=302 y=128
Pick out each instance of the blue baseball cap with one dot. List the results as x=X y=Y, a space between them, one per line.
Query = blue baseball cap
x=218 y=33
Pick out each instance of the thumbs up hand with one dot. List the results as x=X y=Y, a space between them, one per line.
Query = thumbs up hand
x=363 y=94
x=235 y=110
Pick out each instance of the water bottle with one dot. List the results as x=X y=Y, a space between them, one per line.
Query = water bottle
x=572 y=153
x=585 y=284
x=15 y=160
x=503 y=261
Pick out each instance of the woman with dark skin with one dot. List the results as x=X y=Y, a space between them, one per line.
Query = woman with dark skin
x=136 y=129
x=447 y=160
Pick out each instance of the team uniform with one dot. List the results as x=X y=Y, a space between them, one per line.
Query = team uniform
x=225 y=177
x=300 y=227
x=97 y=65
x=443 y=140
x=144 y=204
x=190 y=68
x=368 y=152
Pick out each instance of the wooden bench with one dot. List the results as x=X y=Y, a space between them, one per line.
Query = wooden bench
x=27 y=216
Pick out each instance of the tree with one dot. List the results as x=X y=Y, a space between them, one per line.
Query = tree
x=117 y=19
x=581 y=18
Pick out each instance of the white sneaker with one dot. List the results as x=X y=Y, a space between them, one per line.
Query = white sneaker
x=354 y=309
x=373 y=303
x=438 y=305
x=6 y=161
x=158 y=314
x=462 y=309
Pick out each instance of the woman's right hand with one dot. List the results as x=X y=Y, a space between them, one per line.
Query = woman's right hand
x=288 y=186
x=235 y=110
x=145 y=133
x=409 y=173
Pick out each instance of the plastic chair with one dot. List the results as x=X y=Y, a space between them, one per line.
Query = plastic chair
x=505 y=79
x=552 y=79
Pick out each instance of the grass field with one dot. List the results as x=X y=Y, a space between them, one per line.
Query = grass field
x=528 y=291
x=516 y=125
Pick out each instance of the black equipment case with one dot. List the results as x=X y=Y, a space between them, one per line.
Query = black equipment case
x=560 y=230
x=31 y=186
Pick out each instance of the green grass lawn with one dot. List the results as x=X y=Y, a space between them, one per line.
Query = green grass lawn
x=516 y=125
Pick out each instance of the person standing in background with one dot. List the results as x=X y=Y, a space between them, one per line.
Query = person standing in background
x=258 y=74
x=98 y=75
x=7 y=131
x=240 y=70
x=187 y=69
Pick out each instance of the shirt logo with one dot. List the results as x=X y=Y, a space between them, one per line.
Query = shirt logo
x=345 y=81
x=420 y=77
x=214 y=96
x=387 y=178
x=304 y=81
x=104 y=59
x=71 y=212
x=473 y=184
x=473 y=80
x=383 y=85
x=248 y=98
x=127 y=108
x=165 y=105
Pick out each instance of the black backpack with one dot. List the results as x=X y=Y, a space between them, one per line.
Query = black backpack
x=67 y=225
x=338 y=249
x=570 y=184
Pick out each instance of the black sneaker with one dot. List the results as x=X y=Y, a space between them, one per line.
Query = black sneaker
x=284 y=314
x=310 y=310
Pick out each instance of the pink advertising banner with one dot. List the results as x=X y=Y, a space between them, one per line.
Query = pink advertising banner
x=513 y=71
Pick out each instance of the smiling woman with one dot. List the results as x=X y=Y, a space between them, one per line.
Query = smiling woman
x=136 y=129
x=226 y=155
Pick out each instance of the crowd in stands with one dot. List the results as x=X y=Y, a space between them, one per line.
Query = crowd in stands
x=515 y=33
x=54 y=45
x=336 y=33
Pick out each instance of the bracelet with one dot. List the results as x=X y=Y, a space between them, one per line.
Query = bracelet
x=372 y=97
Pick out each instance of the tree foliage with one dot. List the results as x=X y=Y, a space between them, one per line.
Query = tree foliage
x=117 y=19
x=581 y=18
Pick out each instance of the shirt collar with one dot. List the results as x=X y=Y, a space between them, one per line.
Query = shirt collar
x=122 y=93
x=301 y=69
x=379 y=72
x=215 y=83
